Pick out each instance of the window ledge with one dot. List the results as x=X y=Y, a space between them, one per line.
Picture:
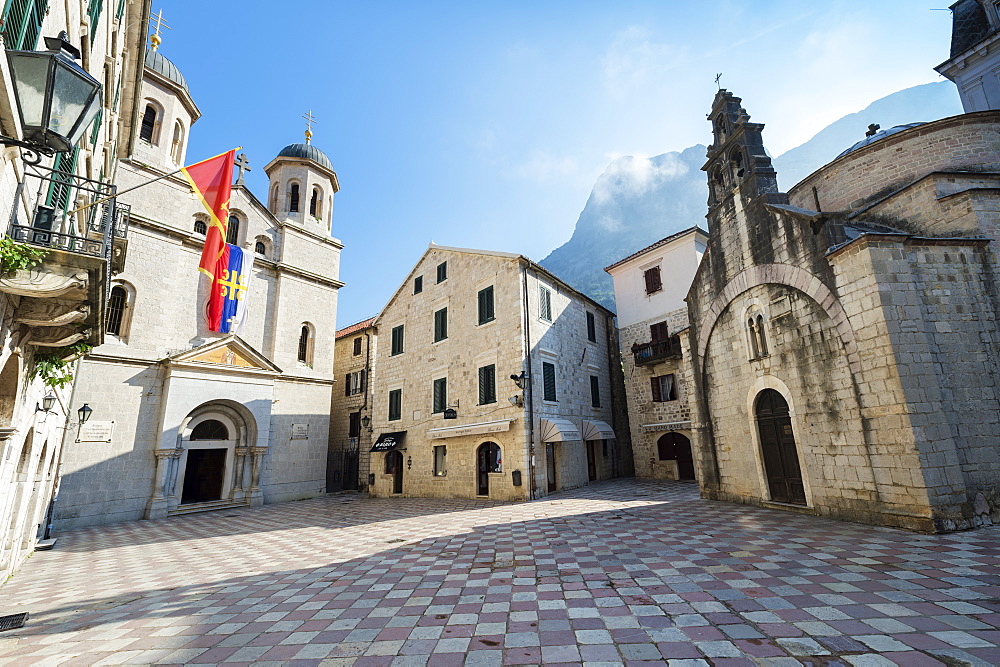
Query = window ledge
x=487 y=323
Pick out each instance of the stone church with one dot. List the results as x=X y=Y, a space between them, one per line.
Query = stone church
x=843 y=335
x=186 y=419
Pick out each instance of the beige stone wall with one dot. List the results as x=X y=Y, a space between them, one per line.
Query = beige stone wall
x=345 y=361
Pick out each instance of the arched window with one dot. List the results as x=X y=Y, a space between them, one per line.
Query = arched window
x=756 y=333
x=116 y=310
x=176 y=151
x=273 y=202
x=761 y=336
x=260 y=249
x=293 y=198
x=200 y=227
x=148 y=127
x=316 y=204
x=210 y=429
x=305 y=353
x=752 y=333
x=233 y=233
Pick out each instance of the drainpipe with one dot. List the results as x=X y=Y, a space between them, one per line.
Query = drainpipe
x=364 y=407
x=58 y=476
x=528 y=393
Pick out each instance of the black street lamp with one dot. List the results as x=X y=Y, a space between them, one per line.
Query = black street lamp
x=84 y=413
x=56 y=98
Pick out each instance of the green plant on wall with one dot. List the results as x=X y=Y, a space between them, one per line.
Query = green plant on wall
x=16 y=256
x=54 y=366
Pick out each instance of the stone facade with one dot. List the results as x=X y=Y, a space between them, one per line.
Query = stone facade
x=197 y=420
x=659 y=423
x=542 y=437
x=350 y=439
x=30 y=436
x=841 y=335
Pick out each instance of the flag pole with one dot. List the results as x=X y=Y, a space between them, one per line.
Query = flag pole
x=136 y=187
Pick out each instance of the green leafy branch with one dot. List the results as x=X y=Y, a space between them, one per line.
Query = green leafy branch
x=54 y=366
x=16 y=256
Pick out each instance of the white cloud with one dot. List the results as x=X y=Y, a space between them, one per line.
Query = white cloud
x=542 y=166
x=634 y=62
x=636 y=174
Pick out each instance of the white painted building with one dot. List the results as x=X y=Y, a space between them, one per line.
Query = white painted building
x=186 y=419
x=447 y=416
x=974 y=62
x=650 y=287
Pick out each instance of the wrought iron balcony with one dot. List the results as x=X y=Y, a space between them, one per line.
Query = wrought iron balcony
x=657 y=350
x=83 y=230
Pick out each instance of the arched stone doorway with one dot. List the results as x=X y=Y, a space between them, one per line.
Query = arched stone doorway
x=204 y=474
x=777 y=443
x=676 y=447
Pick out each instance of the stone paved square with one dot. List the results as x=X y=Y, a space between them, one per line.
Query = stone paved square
x=622 y=572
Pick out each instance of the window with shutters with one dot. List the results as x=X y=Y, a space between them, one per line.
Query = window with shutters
x=486 y=305
x=354 y=383
x=591 y=327
x=595 y=391
x=440 y=395
x=440 y=324
x=652 y=278
x=150 y=122
x=487 y=384
x=233 y=231
x=94 y=12
x=442 y=272
x=357 y=346
x=22 y=23
x=293 y=198
x=664 y=388
x=397 y=340
x=395 y=405
x=545 y=303
x=354 y=425
x=548 y=381
x=418 y=284
x=658 y=332
x=440 y=460
x=61 y=188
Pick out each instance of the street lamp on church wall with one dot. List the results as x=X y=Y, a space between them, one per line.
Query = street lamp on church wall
x=57 y=99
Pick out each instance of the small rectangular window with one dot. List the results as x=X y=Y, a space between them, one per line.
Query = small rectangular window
x=652 y=278
x=354 y=383
x=442 y=272
x=658 y=332
x=486 y=305
x=440 y=324
x=548 y=381
x=418 y=284
x=440 y=395
x=354 y=425
x=397 y=340
x=357 y=346
x=395 y=404
x=591 y=327
x=595 y=391
x=440 y=460
x=545 y=303
x=664 y=388
x=487 y=384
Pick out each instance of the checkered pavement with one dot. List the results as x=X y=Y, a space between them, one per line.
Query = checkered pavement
x=622 y=572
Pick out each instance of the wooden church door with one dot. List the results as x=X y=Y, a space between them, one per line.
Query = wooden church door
x=781 y=460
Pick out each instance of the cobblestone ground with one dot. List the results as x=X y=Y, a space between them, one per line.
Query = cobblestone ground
x=620 y=572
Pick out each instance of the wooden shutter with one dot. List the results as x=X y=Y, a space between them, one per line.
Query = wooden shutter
x=347 y=385
x=486 y=305
x=487 y=385
x=659 y=331
x=440 y=394
x=655 y=384
x=653 y=283
x=441 y=324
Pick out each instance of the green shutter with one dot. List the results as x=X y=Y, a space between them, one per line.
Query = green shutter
x=486 y=305
x=595 y=391
x=95 y=133
x=22 y=23
x=440 y=394
x=395 y=404
x=548 y=381
x=441 y=324
x=397 y=340
x=121 y=9
x=487 y=385
x=94 y=12
x=63 y=168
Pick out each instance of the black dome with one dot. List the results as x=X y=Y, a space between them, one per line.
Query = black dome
x=308 y=152
x=165 y=68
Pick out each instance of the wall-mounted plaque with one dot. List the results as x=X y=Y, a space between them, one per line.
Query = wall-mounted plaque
x=96 y=432
x=300 y=431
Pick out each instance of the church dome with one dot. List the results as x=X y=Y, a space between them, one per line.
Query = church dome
x=879 y=136
x=308 y=152
x=164 y=68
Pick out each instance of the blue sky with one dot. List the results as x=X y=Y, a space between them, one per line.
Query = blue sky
x=485 y=124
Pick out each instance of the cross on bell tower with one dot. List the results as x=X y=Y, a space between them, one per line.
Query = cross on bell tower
x=243 y=164
x=155 y=40
x=310 y=121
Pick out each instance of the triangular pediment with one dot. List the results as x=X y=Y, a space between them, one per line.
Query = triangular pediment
x=232 y=352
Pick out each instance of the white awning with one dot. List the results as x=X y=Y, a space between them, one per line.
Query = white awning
x=666 y=426
x=557 y=430
x=597 y=430
x=496 y=426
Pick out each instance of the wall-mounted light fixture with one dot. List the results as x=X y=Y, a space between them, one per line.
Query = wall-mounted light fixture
x=409 y=462
x=516 y=400
x=520 y=380
x=48 y=401
x=366 y=422
x=84 y=413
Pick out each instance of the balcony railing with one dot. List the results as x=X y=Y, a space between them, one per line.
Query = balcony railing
x=657 y=350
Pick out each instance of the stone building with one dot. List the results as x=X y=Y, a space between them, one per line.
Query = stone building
x=62 y=300
x=974 y=63
x=843 y=335
x=650 y=286
x=351 y=410
x=186 y=419
x=494 y=379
